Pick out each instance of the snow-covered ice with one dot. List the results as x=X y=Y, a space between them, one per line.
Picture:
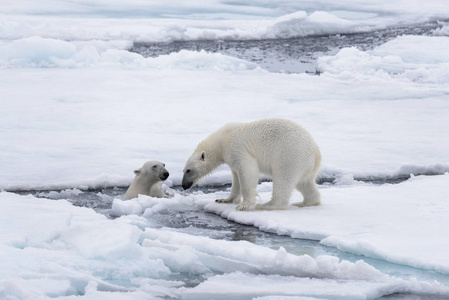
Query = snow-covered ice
x=138 y=20
x=79 y=111
x=89 y=114
x=56 y=250
x=404 y=223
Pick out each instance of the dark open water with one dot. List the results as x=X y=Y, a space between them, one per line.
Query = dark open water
x=296 y=55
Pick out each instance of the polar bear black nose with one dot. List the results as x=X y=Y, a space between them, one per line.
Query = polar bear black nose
x=186 y=185
x=164 y=175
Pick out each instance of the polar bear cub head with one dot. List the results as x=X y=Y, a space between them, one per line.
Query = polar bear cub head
x=196 y=168
x=148 y=180
x=152 y=171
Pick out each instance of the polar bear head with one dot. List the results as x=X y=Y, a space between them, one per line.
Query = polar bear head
x=148 y=180
x=196 y=168
x=152 y=171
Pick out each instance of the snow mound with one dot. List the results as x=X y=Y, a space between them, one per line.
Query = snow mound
x=400 y=59
x=38 y=52
x=201 y=60
x=148 y=205
x=436 y=50
x=443 y=31
x=299 y=24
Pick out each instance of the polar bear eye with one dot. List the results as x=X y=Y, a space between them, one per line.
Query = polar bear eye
x=188 y=171
x=154 y=167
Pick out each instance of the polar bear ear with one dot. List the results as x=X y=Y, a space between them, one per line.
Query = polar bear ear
x=203 y=155
x=137 y=172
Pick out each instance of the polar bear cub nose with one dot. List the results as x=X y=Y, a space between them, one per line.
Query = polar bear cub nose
x=165 y=175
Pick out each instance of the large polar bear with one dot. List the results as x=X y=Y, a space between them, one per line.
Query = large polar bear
x=276 y=147
x=148 y=180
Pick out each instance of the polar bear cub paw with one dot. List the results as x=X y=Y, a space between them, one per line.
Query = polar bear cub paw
x=228 y=201
x=225 y=201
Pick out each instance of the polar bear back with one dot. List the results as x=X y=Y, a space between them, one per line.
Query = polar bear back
x=276 y=144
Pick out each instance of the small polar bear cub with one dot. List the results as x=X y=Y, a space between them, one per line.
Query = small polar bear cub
x=276 y=147
x=148 y=180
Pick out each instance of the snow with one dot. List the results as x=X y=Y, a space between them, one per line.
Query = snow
x=89 y=113
x=400 y=58
x=40 y=52
x=56 y=250
x=79 y=111
x=276 y=287
x=177 y=20
x=442 y=31
x=349 y=220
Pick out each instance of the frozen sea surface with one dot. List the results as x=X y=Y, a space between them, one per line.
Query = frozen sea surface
x=79 y=112
x=181 y=248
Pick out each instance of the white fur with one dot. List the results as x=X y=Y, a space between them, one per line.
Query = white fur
x=276 y=147
x=148 y=180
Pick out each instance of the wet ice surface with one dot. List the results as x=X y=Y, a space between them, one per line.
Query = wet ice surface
x=197 y=222
x=296 y=55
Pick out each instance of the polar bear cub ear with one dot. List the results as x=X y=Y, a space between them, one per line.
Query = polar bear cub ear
x=137 y=172
x=203 y=156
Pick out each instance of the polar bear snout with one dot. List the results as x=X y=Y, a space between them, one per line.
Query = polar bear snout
x=188 y=179
x=186 y=184
x=164 y=175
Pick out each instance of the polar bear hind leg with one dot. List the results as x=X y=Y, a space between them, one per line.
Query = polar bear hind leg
x=309 y=191
x=282 y=190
